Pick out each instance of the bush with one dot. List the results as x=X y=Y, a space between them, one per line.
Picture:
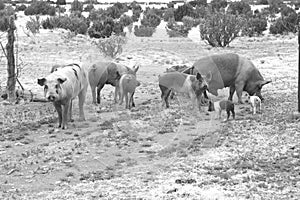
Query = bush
x=255 y=26
x=195 y=3
x=143 y=31
x=151 y=20
x=5 y=14
x=136 y=15
x=219 y=28
x=21 y=7
x=97 y=15
x=111 y=46
x=61 y=2
x=76 y=6
x=126 y=20
x=121 y=6
x=40 y=8
x=285 y=24
x=89 y=7
x=176 y=30
x=2 y=5
x=75 y=24
x=33 y=25
x=104 y=29
x=216 y=5
x=113 y=12
x=168 y=14
x=188 y=21
x=239 y=7
x=184 y=10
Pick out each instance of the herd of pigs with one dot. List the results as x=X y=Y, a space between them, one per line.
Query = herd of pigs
x=208 y=74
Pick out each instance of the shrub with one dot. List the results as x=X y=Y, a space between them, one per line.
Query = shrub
x=126 y=20
x=75 y=24
x=274 y=5
x=255 y=26
x=89 y=7
x=136 y=15
x=285 y=24
x=216 y=5
x=219 y=28
x=33 y=25
x=61 y=2
x=262 y=2
x=155 y=11
x=113 y=12
x=121 y=6
x=188 y=21
x=169 y=13
x=239 y=7
x=21 y=7
x=103 y=29
x=76 y=6
x=143 y=31
x=184 y=10
x=176 y=30
x=5 y=14
x=2 y=5
x=97 y=15
x=40 y=8
x=151 y=20
x=111 y=46
x=195 y=3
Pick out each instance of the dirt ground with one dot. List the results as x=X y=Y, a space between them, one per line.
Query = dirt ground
x=150 y=152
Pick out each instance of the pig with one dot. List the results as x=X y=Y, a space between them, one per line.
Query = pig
x=61 y=87
x=102 y=73
x=218 y=106
x=230 y=70
x=255 y=103
x=127 y=84
x=192 y=85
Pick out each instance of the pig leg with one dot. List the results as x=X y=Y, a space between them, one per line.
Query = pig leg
x=65 y=115
x=126 y=100
x=117 y=94
x=70 y=112
x=121 y=97
x=239 y=86
x=93 y=89
x=165 y=92
x=131 y=100
x=81 y=101
x=99 y=88
x=59 y=112
x=231 y=92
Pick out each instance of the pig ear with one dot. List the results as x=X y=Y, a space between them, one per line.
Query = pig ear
x=262 y=83
x=136 y=68
x=118 y=75
x=61 y=80
x=198 y=76
x=209 y=76
x=41 y=81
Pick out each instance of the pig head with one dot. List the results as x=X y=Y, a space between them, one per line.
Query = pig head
x=102 y=73
x=61 y=87
x=230 y=70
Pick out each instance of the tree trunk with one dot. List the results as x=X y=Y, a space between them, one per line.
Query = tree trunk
x=11 y=68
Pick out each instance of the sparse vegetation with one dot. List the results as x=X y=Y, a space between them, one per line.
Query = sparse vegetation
x=112 y=46
x=40 y=8
x=143 y=31
x=220 y=28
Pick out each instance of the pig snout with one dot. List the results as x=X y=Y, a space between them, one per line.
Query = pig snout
x=51 y=98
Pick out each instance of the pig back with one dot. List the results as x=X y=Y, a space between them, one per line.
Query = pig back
x=221 y=67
